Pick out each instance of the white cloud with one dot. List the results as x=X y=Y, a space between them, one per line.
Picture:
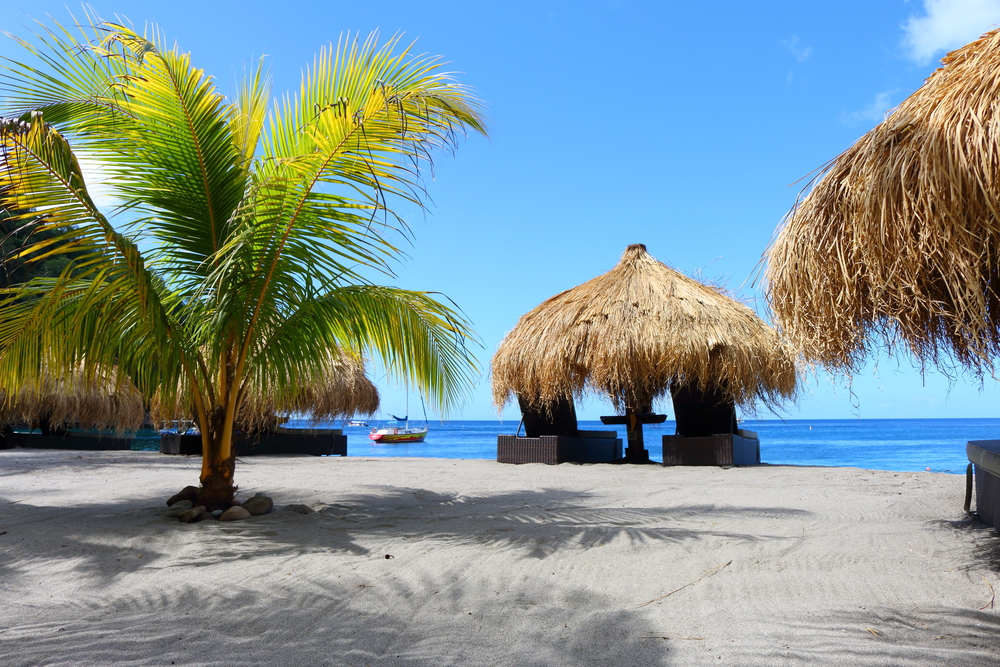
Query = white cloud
x=800 y=52
x=875 y=112
x=947 y=25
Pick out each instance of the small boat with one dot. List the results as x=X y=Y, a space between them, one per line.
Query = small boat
x=356 y=422
x=398 y=430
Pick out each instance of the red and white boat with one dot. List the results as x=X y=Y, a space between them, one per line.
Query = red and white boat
x=398 y=431
x=396 y=434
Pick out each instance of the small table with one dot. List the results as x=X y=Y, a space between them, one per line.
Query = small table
x=636 y=451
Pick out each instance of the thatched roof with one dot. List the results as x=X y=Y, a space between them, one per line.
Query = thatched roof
x=341 y=390
x=99 y=399
x=636 y=330
x=338 y=388
x=899 y=242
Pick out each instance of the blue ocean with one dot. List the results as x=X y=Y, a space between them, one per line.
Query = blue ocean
x=877 y=444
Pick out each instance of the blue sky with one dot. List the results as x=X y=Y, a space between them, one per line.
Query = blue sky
x=685 y=126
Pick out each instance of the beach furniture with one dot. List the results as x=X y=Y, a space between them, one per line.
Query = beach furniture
x=313 y=442
x=637 y=334
x=719 y=449
x=552 y=437
x=636 y=451
x=587 y=447
x=80 y=440
x=708 y=433
x=984 y=470
x=180 y=444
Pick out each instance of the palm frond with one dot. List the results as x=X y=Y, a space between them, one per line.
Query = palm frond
x=250 y=113
x=416 y=337
x=67 y=78
x=177 y=157
x=107 y=289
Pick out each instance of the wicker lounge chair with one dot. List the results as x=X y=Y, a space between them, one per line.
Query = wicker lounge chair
x=984 y=469
x=707 y=431
x=586 y=447
x=552 y=437
x=719 y=449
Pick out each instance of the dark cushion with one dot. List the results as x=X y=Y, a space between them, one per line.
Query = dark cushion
x=985 y=454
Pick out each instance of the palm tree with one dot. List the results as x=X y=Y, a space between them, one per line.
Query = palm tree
x=255 y=226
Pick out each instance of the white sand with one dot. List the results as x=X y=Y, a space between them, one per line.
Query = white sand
x=492 y=565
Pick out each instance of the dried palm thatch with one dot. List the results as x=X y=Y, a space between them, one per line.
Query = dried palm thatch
x=632 y=333
x=899 y=240
x=91 y=399
x=338 y=388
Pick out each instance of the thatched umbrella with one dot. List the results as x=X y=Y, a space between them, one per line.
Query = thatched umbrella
x=340 y=388
x=899 y=241
x=636 y=333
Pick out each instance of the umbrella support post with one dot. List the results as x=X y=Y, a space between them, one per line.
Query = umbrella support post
x=636 y=451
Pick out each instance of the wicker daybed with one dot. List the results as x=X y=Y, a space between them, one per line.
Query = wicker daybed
x=314 y=442
x=586 y=447
x=719 y=449
x=984 y=468
x=552 y=437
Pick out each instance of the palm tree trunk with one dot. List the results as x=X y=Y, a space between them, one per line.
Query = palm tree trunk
x=218 y=464
x=217 y=488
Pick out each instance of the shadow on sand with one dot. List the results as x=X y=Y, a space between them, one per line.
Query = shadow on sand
x=431 y=616
x=533 y=524
x=279 y=617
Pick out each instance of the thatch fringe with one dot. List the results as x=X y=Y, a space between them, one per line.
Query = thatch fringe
x=338 y=388
x=634 y=332
x=91 y=400
x=898 y=242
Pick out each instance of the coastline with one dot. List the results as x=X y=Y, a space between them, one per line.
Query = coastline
x=877 y=444
x=492 y=565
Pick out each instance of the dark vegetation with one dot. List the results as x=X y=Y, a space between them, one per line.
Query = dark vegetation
x=18 y=230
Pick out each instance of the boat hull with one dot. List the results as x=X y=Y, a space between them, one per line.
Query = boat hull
x=388 y=436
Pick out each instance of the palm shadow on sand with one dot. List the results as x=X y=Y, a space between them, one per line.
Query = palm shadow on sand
x=330 y=625
x=531 y=523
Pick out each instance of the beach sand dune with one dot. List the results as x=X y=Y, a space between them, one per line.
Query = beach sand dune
x=491 y=565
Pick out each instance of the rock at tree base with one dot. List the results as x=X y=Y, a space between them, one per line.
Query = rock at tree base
x=216 y=513
x=178 y=507
x=259 y=504
x=235 y=513
x=191 y=514
x=206 y=516
x=187 y=493
x=301 y=509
